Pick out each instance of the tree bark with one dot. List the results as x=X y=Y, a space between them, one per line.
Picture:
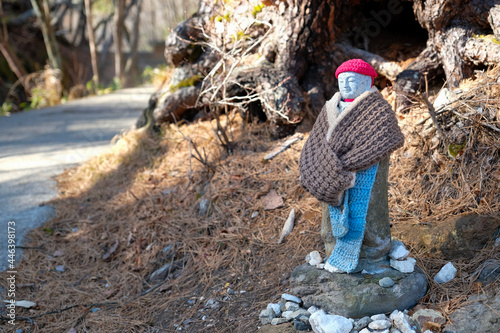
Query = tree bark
x=42 y=11
x=93 y=52
x=132 y=69
x=13 y=61
x=119 y=26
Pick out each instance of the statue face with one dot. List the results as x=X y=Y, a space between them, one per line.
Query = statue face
x=352 y=84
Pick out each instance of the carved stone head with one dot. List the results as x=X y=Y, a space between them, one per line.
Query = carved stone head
x=355 y=77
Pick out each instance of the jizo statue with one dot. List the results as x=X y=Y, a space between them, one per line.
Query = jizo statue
x=355 y=132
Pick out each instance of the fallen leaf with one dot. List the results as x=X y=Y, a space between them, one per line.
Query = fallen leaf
x=288 y=227
x=23 y=304
x=111 y=250
x=272 y=200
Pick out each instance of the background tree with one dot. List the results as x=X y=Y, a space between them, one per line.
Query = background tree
x=92 y=45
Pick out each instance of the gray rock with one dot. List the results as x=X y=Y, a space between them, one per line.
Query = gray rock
x=423 y=316
x=291 y=298
x=386 y=282
x=325 y=323
x=279 y=321
x=382 y=331
x=212 y=304
x=355 y=295
x=394 y=330
x=301 y=326
x=490 y=271
x=480 y=315
x=300 y=313
x=404 y=266
x=403 y=323
x=362 y=323
x=380 y=324
x=291 y=306
x=446 y=273
x=398 y=250
x=276 y=308
x=266 y=316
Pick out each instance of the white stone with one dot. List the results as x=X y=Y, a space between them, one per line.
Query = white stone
x=288 y=315
x=333 y=269
x=446 y=274
x=402 y=322
x=291 y=306
x=428 y=331
x=395 y=330
x=276 y=308
x=393 y=314
x=381 y=324
x=314 y=258
x=255 y=214
x=266 y=316
x=324 y=323
x=404 y=266
x=444 y=98
x=291 y=298
x=497 y=241
x=320 y=266
x=398 y=250
x=365 y=330
x=312 y=309
x=378 y=317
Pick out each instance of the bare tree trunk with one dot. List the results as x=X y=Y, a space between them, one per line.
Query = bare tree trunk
x=42 y=11
x=131 y=69
x=93 y=53
x=119 y=27
x=13 y=60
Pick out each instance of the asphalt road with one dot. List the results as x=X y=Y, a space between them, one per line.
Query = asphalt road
x=37 y=145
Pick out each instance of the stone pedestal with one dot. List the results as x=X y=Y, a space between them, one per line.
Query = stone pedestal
x=377 y=240
x=357 y=295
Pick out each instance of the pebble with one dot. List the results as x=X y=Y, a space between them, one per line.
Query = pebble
x=365 y=330
x=266 y=316
x=300 y=313
x=255 y=214
x=497 y=242
x=276 y=308
x=291 y=298
x=398 y=251
x=362 y=323
x=380 y=316
x=312 y=309
x=395 y=330
x=386 y=282
x=379 y=324
x=320 y=266
x=212 y=304
x=423 y=316
x=301 y=326
x=393 y=314
x=291 y=306
x=402 y=322
x=324 y=323
x=279 y=321
x=446 y=274
x=404 y=266
x=314 y=258
x=288 y=314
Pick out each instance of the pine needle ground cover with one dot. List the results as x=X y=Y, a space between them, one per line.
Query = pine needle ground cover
x=149 y=205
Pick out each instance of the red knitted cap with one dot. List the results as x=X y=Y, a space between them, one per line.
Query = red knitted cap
x=358 y=66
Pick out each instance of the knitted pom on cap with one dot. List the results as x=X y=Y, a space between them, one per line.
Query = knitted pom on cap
x=357 y=66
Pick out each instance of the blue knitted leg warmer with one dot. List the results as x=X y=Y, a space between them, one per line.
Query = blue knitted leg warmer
x=339 y=218
x=345 y=255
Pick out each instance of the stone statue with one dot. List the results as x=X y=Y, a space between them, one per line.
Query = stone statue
x=344 y=164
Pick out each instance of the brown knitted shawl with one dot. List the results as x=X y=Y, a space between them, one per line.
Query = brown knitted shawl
x=361 y=136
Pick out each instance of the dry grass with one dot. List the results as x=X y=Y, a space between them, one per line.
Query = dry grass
x=116 y=214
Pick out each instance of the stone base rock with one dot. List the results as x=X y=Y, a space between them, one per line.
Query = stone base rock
x=480 y=315
x=357 y=295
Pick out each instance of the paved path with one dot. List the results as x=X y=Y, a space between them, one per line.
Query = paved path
x=37 y=145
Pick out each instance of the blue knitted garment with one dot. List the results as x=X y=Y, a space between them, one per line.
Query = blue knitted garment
x=350 y=223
